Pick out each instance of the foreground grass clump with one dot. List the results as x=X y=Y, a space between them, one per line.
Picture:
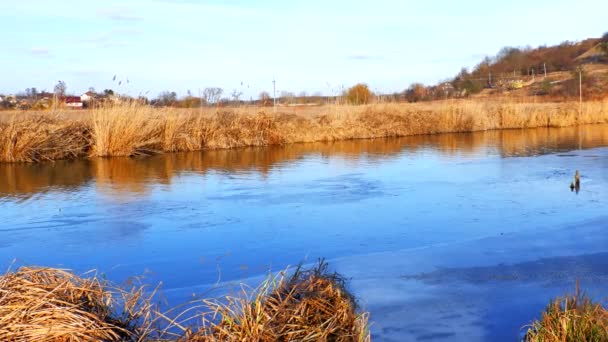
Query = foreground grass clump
x=46 y=304
x=573 y=318
x=307 y=306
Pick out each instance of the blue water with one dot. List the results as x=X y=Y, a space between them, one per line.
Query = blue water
x=461 y=237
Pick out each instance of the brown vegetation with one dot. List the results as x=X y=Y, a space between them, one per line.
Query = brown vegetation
x=45 y=304
x=359 y=94
x=135 y=130
x=308 y=306
x=573 y=318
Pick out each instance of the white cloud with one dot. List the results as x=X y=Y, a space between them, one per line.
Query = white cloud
x=119 y=14
x=40 y=52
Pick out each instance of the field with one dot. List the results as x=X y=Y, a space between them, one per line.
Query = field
x=136 y=130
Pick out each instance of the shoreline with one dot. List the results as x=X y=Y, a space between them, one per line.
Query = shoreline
x=133 y=130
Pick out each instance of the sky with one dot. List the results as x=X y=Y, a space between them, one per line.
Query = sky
x=312 y=46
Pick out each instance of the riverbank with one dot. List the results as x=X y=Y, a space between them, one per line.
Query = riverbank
x=135 y=130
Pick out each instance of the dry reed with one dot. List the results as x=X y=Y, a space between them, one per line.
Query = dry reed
x=46 y=304
x=53 y=305
x=309 y=305
x=573 y=318
x=41 y=138
x=134 y=130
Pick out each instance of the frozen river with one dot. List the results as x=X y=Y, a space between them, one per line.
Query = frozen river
x=454 y=237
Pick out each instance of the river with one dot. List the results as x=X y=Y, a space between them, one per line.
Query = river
x=455 y=237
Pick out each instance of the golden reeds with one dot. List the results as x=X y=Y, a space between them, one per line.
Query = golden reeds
x=573 y=318
x=309 y=305
x=133 y=130
x=45 y=304
x=41 y=138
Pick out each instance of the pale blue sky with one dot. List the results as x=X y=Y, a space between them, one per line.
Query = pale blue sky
x=311 y=45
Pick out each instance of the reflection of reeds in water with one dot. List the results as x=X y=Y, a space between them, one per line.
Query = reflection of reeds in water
x=134 y=175
x=27 y=179
x=45 y=304
x=131 y=130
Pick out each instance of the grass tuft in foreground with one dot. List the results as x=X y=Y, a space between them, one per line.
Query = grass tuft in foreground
x=573 y=318
x=309 y=305
x=46 y=304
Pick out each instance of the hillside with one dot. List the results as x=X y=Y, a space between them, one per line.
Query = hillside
x=550 y=72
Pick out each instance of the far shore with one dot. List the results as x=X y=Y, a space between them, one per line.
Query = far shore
x=138 y=130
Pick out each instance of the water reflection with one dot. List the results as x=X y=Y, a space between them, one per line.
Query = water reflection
x=126 y=175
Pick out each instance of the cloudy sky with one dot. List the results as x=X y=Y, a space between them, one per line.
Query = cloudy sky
x=313 y=45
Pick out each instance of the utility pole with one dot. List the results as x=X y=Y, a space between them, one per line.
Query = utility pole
x=545 y=66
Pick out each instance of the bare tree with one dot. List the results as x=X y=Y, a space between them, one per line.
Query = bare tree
x=60 y=88
x=166 y=98
x=604 y=43
x=213 y=94
x=287 y=96
x=265 y=98
x=236 y=95
x=264 y=95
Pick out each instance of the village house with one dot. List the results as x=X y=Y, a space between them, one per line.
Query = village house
x=73 y=102
x=87 y=97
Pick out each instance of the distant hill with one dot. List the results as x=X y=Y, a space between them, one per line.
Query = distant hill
x=548 y=71
x=542 y=71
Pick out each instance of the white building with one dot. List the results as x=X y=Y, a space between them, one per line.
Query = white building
x=88 y=96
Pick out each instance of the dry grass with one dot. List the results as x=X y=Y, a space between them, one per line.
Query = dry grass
x=45 y=304
x=41 y=138
x=307 y=306
x=134 y=130
x=573 y=318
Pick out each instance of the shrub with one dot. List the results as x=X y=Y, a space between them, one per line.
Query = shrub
x=359 y=94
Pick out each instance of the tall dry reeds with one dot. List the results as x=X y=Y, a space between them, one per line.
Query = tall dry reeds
x=135 y=130
x=126 y=130
x=572 y=318
x=42 y=138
